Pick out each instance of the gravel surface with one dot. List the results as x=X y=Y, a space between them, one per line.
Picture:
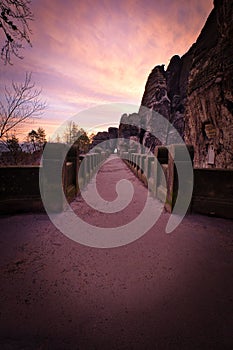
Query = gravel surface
x=163 y=291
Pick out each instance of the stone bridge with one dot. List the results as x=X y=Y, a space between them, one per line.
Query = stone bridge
x=212 y=188
x=162 y=291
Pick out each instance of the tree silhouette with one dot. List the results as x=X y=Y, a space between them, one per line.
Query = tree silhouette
x=21 y=102
x=32 y=137
x=14 y=18
x=14 y=148
x=74 y=135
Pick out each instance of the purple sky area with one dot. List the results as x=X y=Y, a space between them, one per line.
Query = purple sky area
x=87 y=52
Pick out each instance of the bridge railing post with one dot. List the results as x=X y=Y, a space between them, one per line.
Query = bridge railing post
x=82 y=171
x=53 y=184
x=73 y=157
x=130 y=152
x=92 y=156
x=132 y=161
x=177 y=156
x=95 y=162
x=135 y=168
x=137 y=162
x=160 y=172
x=141 y=171
x=103 y=156
x=147 y=176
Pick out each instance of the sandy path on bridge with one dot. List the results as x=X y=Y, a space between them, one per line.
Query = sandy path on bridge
x=163 y=291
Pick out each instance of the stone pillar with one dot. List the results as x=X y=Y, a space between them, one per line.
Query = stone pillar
x=88 y=167
x=52 y=179
x=141 y=170
x=160 y=171
x=130 y=151
x=125 y=157
x=91 y=156
x=98 y=159
x=73 y=157
x=103 y=156
x=133 y=155
x=150 y=173
x=82 y=171
x=137 y=163
x=177 y=157
x=85 y=169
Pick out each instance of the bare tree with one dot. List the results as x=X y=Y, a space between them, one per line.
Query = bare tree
x=14 y=18
x=21 y=103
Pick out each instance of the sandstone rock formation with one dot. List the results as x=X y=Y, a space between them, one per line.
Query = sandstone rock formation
x=195 y=94
x=128 y=131
x=100 y=137
x=106 y=140
x=113 y=136
x=209 y=110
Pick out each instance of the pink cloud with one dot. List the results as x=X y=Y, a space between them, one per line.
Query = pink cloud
x=85 y=52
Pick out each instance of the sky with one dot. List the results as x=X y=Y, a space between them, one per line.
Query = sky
x=87 y=53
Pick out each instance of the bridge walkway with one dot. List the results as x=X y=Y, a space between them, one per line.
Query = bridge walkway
x=162 y=291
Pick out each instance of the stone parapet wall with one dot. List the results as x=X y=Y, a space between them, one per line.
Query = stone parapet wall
x=211 y=192
x=19 y=189
x=19 y=186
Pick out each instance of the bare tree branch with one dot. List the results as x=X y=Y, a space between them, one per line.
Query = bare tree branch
x=14 y=18
x=22 y=102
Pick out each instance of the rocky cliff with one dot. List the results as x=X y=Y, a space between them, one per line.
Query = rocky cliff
x=195 y=93
x=106 y=140
x=128 y=131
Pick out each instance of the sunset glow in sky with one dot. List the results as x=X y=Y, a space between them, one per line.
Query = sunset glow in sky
x=87 y=52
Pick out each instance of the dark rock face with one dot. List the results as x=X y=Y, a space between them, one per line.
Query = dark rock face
x=155 y=100
x=156 y=93
x=128 y=132
x=113 y=133
x=107 y=140
x=165 y=93
x=129 y=125
x=195 y=94
x=100 y=137
x=209 y=111
x=177 y=81
x=113 y=136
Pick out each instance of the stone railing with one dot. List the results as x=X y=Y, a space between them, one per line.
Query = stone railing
x=212 y=188
x=158 y=171
x=88 y=165
x=19 y=185
x=19 y=189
